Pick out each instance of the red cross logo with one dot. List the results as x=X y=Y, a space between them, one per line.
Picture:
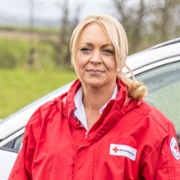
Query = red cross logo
x=115 y=149
x=176 y=148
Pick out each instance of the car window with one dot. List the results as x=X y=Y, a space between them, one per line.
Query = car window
x=14 y=145
x=163 y=85
x=17 y=143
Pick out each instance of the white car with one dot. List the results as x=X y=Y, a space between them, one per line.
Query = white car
x=159 y=69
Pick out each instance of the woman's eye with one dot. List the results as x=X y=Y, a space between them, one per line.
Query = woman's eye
x=85 y=49
x=108 y=51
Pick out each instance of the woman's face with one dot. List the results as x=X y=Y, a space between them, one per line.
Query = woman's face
x=95 y=62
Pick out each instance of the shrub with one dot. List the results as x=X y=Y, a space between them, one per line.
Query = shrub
x=7 y=60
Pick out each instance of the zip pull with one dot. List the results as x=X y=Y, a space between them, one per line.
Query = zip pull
x=86 y=134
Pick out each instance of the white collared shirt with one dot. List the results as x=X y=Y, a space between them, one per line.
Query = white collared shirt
x=80 y=111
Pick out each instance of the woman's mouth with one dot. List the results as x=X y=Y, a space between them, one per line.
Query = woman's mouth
x=95 y=72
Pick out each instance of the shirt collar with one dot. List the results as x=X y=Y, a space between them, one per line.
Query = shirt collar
x=80 y=111
x=78 y=98
x=114 y=95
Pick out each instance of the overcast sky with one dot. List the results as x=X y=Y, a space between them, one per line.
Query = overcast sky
x=47 y=8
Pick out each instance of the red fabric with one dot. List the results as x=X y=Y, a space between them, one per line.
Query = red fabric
x=56 y=146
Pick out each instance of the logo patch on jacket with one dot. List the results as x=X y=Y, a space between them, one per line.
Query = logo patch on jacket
x=174 y=148
x=123 y=150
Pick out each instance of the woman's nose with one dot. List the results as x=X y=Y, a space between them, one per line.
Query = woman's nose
x=96 y=57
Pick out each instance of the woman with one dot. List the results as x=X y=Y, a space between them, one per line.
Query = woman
x=101 y=129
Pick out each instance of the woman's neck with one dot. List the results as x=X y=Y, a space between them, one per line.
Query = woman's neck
x=95 y=98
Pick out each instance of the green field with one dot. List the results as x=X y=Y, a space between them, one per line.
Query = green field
x=19 y=87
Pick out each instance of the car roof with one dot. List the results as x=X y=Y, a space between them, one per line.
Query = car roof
x=154 y=54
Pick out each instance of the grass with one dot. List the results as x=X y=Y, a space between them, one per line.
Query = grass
x=17 y=51
x=19 y=87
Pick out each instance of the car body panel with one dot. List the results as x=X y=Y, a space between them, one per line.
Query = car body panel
x=6 y=162
x=152 y=55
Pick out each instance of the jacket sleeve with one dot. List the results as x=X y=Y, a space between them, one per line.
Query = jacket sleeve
x=23 y=163
x=163 y=160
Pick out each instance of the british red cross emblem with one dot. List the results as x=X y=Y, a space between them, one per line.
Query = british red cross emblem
x=123 y=150
x=174 y=148
x=115 y=149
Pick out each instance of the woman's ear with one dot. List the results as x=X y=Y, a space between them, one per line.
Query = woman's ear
x=72 y=61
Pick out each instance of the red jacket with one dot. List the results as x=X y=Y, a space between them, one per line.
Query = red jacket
x=131 y=140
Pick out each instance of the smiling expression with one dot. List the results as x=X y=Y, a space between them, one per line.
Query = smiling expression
x=95 y=62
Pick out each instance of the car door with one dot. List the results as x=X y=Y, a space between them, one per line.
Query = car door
x=8 y=153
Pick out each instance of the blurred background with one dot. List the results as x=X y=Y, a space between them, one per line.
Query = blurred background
x=34 y=40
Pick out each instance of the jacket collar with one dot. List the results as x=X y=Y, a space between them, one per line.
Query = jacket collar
x=122 y=101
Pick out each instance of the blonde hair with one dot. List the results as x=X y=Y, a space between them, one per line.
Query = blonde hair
x=118 y=37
